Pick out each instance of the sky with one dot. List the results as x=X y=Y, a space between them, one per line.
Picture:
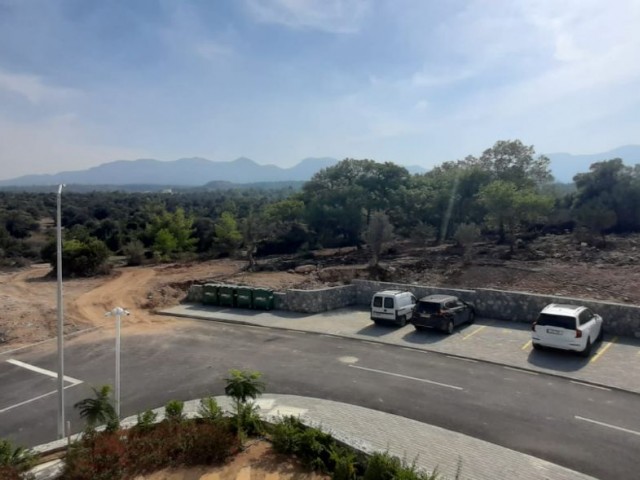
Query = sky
x=416 y=82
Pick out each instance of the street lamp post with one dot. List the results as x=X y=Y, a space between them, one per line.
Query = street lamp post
x=61 y=423
x=117 y=312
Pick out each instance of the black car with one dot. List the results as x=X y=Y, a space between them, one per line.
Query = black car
x=443 y=312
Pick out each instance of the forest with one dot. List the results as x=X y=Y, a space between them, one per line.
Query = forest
x=506 y=195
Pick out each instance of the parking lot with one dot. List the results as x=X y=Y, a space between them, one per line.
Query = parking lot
x=615 y=362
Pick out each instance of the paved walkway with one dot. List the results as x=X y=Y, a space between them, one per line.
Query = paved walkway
x=370 y=431
x=614 y=363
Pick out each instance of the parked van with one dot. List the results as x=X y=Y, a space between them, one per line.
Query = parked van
x=392 y=306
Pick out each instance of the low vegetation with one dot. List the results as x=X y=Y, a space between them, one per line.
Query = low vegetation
x=210 y=438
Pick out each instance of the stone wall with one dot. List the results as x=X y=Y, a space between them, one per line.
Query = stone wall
x=314 y=301
x=619 y=319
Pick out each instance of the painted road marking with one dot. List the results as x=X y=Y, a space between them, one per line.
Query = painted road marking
x=34 y=399
x=48 y=373
x=424 y=380
x=474 y=332
x=602 y=424
x=463 y=359
x=602 y=350
x=592 y=386
x=520 y=370
x=371 y=343
x=527 y=345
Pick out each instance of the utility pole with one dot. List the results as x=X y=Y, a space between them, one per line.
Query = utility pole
x=61 y=423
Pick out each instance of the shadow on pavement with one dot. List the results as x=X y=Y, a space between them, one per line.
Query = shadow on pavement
x=245 y=312
x=377 y=330
x=425 y=337
x=558 y=360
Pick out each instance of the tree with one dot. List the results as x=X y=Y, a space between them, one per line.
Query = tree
x=378 y=232
x=172 y=232
x=79 y=258
x=134 y=252
x=99 y=409
x=241 y=386
x=228 y=237
x=508 y=207
x=254 y=229
x=466 y=234
x=165 y=243
x=597 y=217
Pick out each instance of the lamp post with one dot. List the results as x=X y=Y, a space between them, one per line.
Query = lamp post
x=61 y=423
x=117 y=312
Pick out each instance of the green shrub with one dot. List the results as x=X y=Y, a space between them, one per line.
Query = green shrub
x=146 y=420
x=311 y=445
x=209 y=409
x=173 y=411
x=249 y=421
x=383 y=466
x=344 y=464
x=285 y=435
x=14 y=461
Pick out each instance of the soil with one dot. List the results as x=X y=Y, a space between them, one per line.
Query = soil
x=257 y=462
x=552 y=264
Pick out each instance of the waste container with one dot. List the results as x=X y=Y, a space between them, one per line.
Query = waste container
x=210 y=296
x=227 y=296
x=244 y=297
x=262 y=299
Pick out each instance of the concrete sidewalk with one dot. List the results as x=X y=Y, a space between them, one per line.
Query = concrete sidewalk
x=506 y=343
x=373 y=431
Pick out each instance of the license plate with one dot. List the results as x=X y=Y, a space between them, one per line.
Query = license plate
x=554 y=331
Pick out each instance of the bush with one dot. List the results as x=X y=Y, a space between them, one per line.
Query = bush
x=146 y=421
x=249 y=421
x=14 y=461
x=134 y=251
x=382 y=466
x=80 y=258
x=311 y=445
x=173 y=411
x=209 y=409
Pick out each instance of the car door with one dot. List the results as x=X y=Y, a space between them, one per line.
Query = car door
x=464 y=311
x=455 y=311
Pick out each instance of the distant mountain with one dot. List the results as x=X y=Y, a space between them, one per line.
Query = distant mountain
x=182 y=172
x=565 y=165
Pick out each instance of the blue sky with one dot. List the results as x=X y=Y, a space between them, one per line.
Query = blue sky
x=412 y=81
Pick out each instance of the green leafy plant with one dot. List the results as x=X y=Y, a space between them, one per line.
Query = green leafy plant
x=174 y=411
x=14 y=459
x=99 y=409
x=344 y=464
x=241 y=386
x=209 y=409
x=146 y=420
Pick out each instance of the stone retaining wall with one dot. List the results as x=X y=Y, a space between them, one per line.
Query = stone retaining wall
x=619 y=319
x=314 y=301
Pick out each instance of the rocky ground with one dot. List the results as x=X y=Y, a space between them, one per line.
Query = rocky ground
x=553 y=264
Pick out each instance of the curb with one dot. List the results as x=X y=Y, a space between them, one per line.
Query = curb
x=407 y=347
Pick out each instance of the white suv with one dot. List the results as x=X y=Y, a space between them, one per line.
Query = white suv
x=567 y=327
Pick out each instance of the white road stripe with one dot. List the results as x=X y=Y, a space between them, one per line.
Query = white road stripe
x=520 y=370
x=602 y=424
x=461 y=358
x=48 y=373
x=407 y=377
x=34 y=399
x=592 y=386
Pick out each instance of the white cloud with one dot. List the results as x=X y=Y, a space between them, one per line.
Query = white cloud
x=337 y=16
x=33 y=88
x=211 y=50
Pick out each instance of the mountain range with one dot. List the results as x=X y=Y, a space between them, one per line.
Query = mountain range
x=191 y=172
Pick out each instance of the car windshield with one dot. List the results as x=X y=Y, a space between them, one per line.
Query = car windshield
x=428 y=307
x=560 y=321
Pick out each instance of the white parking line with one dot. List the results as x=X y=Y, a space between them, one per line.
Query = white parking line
x=48 y=373
x=520 y=370
x=34 y=399
x=592 y=386
x=407 y=377
x=602 y=424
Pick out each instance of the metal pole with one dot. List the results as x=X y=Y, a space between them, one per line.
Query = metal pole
x=61 y=423
x=118 y=314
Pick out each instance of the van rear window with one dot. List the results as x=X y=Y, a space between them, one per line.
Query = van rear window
x=559 y=321
x=388 y=302
x=377 y=302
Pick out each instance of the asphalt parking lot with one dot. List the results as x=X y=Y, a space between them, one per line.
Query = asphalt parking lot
x=615 y=362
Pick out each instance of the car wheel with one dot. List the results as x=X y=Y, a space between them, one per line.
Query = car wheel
x=600 y=335
x=536 y=346
x=418 y=328
x=587 y=349
x=402 y=321
x=449 y=328
x=472 y=317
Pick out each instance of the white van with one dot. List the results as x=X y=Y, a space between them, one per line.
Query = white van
x=392 y=306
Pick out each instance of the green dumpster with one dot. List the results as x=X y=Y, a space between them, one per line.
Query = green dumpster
x=244 y=297
x=262 y=299
x=211 y=294
x=227 y=296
